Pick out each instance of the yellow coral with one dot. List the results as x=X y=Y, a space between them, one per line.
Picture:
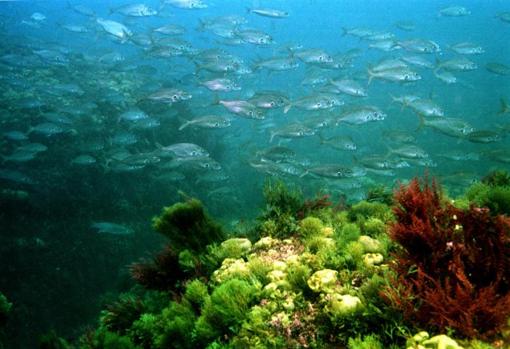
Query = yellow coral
x=323 y=280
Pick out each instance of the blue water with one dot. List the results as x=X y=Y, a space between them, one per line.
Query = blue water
x=58 y=270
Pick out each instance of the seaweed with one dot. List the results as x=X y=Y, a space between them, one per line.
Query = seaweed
x=453 y=268
x=188 y=226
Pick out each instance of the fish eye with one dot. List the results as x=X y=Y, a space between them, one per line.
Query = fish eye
x=272 y=103
x=217 y=124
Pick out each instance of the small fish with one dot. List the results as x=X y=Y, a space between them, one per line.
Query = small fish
x=266 y=12
x=293 y=130
x=47 y=129
x=336 y=171
x=242 y=108
x=484 y=136
x=402 y=75
x=185 y=150
x=498 y=68
x=208 y=121
x=134 y=10
x=340 y=142
x=116 y=29
x=419 y=46
x=15 y=136
x=221 y=84
x=84 y=160
x=169 y=95
x=186 y=4
x=454 y=11
x=457 y=64
x=449 y=126
x=111 y=228
x=426 y=107
x=361 y=115
x=418 y=61
x=277 y=64
x=445 y=76
x=467 y=48
x=19 y=155
x=133 y=115
x=349 y=87
x=255 y=37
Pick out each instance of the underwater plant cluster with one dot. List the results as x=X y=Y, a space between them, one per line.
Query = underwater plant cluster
x=419 y=271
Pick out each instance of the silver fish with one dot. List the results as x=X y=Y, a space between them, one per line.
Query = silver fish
x=267 y=12
x=111 y=228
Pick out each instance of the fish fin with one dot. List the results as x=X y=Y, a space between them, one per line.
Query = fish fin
x=505 y=107
x=422 y=123
x=304 y=174
x=370 y=75
x=344 y=31
x=287 y=108
x=273 y=134
x=184 y=125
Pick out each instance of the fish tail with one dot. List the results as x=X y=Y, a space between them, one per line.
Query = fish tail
x=421 y=124
x=505 y=107
x=183 y=126
x=370 y=75
x=304 y=174
x=345 y=31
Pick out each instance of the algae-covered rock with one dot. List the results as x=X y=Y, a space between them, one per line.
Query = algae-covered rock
x=323 y=280
x=230 y=269
x=422 y=340
x=265 y=243
x=370 y=245
x=235 y=247
x=371 y=259
x=340 y=305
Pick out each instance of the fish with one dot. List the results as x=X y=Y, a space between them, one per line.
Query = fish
x=84 y=160
x=467 y=48
x=111 y=228
x=317 y=101
x=169 y=95
x=336 y=171
x=293 y=130
x=221 y=84
x=115 y=29
x=207 y=121
x=498 y=68
x=454 y=11
x=426 y=107
x=457 y=64
x=277 y=64
x=453 y=127
x=267 y=12
x=483 y=136
x=184 y=150
x=186 y=4
x=402 y=75
x=349 y=87
x=254 y=36
x=419 y=46
x=134 y=10
x=361 y=115
x=243 y=108
x=340 y=142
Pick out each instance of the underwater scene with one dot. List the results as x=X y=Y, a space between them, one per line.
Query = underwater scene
x=254 y=174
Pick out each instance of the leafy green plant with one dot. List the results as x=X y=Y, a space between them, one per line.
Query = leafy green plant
x=188 y=226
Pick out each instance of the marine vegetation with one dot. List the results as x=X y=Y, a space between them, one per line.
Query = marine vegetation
x=492 y=192
x=453 y=265
x=371 y=276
